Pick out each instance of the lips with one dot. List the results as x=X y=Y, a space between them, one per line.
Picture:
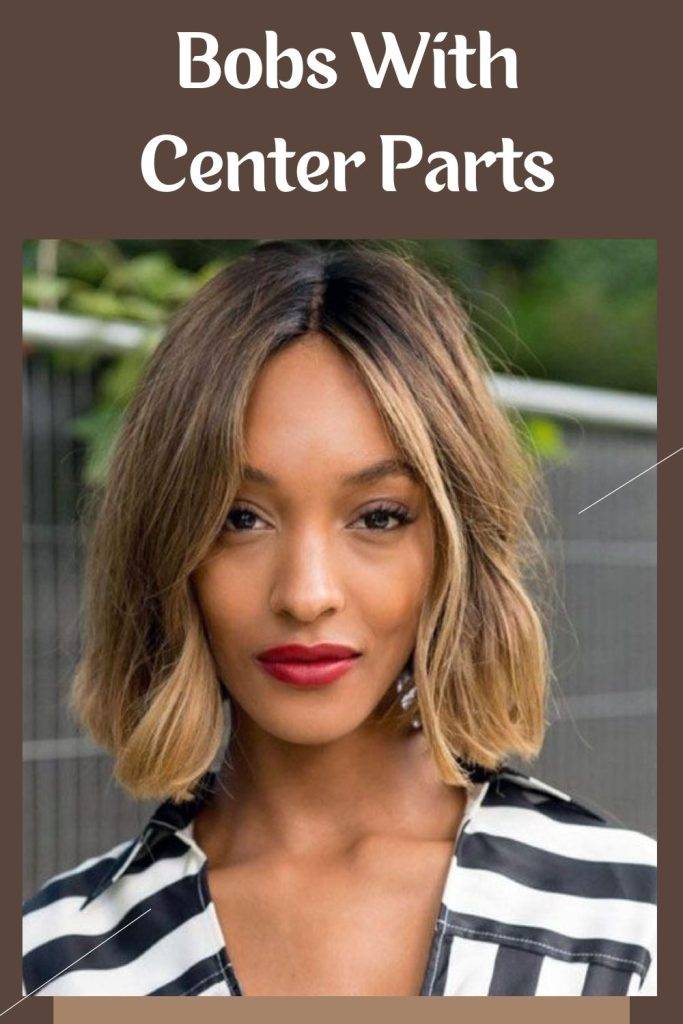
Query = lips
x=306 y=667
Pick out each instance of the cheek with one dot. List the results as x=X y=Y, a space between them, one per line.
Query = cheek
x=391 y=591
x=230 y=602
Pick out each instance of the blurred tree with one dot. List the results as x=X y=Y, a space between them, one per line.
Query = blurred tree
x=582 y=311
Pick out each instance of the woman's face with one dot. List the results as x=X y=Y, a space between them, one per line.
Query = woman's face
x=313 y=552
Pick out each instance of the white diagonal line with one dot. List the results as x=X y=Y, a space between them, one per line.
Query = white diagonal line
x=669 y=456
x=69 y=966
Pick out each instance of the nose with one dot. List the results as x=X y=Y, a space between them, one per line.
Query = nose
x=306 y=582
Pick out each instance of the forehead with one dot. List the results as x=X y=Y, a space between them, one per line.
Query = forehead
x=309 y=404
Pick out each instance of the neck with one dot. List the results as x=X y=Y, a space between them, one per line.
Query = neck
x=275 y=794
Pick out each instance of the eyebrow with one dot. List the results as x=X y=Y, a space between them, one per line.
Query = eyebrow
x=368 y=475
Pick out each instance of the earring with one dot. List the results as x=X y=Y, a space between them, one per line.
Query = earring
x=407 y=692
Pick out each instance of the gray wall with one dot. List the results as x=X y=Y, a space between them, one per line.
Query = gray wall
x=601 y=741
x=601 y=744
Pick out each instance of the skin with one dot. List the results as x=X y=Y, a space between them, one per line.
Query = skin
x=330 y=837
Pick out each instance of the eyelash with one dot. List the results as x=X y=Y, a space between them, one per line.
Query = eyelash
x=398 y=512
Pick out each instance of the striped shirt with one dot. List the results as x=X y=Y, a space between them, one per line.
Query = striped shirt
x=542 y=897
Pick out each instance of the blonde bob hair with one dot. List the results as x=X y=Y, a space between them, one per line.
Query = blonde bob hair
x=146 y=686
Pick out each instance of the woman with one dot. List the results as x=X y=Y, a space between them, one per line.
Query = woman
x=314 y=530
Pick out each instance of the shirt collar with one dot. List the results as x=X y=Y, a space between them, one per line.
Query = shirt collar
x=170 y=817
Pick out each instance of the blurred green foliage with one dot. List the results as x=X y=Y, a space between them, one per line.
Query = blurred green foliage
x=576 y=310
x=98 y=428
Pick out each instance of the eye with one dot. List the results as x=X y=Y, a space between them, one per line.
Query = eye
x=241 y=519
x=379 y=518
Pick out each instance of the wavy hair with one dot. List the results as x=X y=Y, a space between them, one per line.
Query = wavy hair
x=146 y=685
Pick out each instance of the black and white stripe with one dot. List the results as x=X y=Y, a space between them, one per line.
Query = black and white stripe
x=543 y=897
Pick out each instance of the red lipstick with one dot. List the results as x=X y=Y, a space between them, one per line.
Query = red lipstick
x=306 y=667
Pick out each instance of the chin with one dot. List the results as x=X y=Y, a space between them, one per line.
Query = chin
x=311 y=729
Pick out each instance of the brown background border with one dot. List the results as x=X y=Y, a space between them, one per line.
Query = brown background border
x=86 y=85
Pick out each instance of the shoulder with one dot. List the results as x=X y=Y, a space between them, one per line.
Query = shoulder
x=553 y=872
x=132 y=921
x=529 y=810
x=51 y=917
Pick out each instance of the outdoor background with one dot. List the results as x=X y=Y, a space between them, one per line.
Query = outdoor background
x=569 y=327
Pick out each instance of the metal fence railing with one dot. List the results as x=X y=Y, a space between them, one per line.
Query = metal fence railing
x=601 y=741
